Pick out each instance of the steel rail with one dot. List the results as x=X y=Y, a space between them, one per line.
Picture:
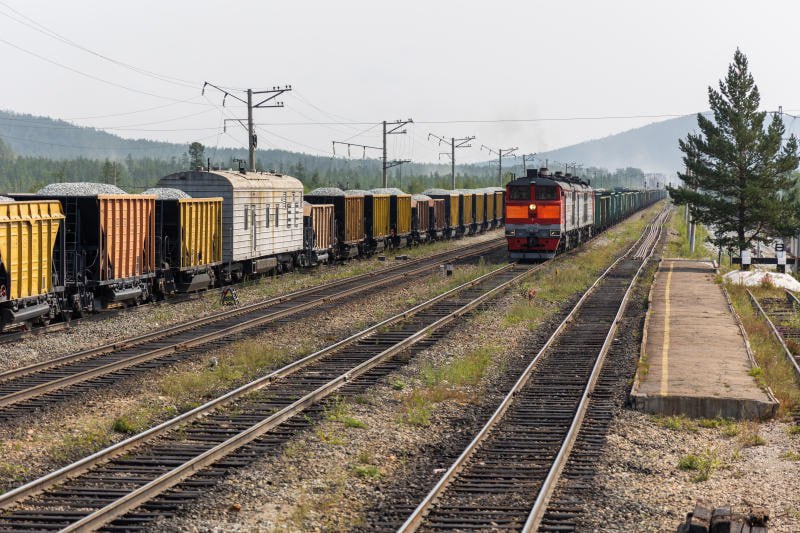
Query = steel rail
x=12 y=335
x=415 y=519
x=135 y=360
x=139 y=496
x=79 y=467
x=791 y=358
x=185 y=326
x=549 y=486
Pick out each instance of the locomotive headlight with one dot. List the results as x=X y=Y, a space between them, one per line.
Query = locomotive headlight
x=532 y=208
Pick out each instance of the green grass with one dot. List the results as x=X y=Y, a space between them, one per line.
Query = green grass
x=703 y=465
x=675 y=423
x=246 y=360
x=794 y=430
x=749 y=435
x=76 y=445
x=679 y=246
x=790 y=456
x=773 y=370
x=367 y=471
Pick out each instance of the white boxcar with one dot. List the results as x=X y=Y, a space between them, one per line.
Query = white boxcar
x=262 y=216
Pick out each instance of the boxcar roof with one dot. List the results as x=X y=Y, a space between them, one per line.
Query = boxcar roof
x=239 y=180
x=6 y=199
x=357 y=192
x=420 y=197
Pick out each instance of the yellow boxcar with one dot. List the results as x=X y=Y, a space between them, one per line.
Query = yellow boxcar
x=403 y=214
x=201 y=231
x=467 y=205
x=380 y=216
x=480 y=203
x=498 y=205
x=27 y=238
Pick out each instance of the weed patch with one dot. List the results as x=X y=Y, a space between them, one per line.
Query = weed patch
x=703 y=465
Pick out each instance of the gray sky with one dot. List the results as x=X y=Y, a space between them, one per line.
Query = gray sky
x=367 y=61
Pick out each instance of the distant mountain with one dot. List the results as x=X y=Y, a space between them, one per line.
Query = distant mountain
x=652 y=148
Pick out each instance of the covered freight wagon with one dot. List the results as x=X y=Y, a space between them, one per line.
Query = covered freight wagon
x=30 y=283
x=108 y=238
x=188 y=240
x=348 y=212
x=262 y=217
x=421 y=217
x=319 y=237
x=452 y=209
x=467 y=221
x=376 y=219
x=480 y=209
x=399 y=215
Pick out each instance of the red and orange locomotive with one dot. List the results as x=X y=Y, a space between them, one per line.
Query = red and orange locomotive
x=546 y=215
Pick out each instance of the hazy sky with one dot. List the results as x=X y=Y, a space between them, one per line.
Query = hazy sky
x=464 y=64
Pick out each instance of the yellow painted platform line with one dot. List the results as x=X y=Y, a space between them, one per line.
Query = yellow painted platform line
x=665 y=347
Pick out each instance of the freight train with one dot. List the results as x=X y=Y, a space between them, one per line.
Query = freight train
x=549 y=214
x=74 y=248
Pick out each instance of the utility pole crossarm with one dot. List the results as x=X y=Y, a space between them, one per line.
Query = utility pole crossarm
x=454 y=143
x=252 y=139
x=392 y=128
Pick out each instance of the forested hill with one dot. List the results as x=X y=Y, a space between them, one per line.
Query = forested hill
x=39 y=150
x=653 y=148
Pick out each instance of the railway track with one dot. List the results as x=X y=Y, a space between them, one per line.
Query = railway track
x=132 y=483
x=784 y=320
x=505 y=477
x=29 y=388
x=19 y=332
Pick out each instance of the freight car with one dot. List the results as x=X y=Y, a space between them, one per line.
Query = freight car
x=348 y=212
x=452 y=211
x=188 y=241
x=319 y=233
x=399 y=216
x=31 y=289
x=108 y=242
x=421 y=218
x=262 y=218
x=376 y=220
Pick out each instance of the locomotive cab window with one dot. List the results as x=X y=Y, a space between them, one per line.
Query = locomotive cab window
x=519 y=192
x=544 y=192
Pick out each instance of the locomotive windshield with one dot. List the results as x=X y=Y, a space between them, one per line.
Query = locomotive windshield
x=546 y=192
x=519 y=192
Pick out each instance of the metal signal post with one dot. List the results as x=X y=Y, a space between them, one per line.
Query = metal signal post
x=454 y=143
x=252 y=139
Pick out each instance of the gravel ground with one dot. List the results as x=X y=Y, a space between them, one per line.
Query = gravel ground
x=46 y=440
x=141 y=320
x=638 y=485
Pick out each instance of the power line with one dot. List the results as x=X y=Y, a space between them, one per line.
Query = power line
x=267 y=100
x=53 y=35
x=502 y=152
x=90 y=76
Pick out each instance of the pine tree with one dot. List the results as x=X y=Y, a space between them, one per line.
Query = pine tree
x=738 y=177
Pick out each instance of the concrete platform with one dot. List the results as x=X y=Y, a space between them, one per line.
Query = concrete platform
x=694 y=350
